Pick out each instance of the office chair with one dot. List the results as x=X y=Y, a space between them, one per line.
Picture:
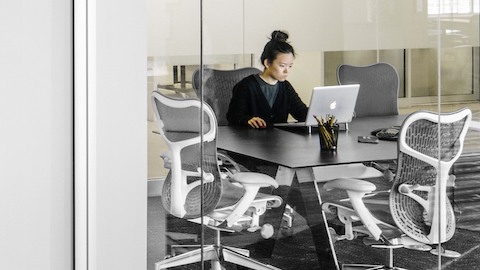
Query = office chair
x=217 y=92
x=377 y=96
x=379 y=86
x=217 y=88
x=229 y=202
x=418 y=214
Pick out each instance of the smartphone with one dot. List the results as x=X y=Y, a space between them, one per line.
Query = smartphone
x=367 y=139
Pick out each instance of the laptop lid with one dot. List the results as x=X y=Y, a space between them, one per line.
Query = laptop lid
x=337 y=100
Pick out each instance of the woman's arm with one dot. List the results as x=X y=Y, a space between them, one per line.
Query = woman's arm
x=297 y=109
x=238 y=110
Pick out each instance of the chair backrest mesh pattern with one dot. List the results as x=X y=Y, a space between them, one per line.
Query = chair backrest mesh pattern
x=180 y=124
x=217 y=88
x=422 y=136
x=379 y=86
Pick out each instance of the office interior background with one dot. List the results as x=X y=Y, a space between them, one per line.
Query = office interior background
x=76 y=113
x=434 y=46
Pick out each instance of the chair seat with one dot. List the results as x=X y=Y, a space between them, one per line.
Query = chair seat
x=232 y=193
x=377 y=203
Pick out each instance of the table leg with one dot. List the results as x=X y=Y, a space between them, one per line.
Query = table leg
x=297 y=189
x=284 y=176
x=316 y=219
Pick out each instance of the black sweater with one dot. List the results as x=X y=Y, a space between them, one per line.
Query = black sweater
x=248 y=101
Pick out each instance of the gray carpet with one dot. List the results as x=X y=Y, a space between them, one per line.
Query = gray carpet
x=297 y=252
x=466 y=193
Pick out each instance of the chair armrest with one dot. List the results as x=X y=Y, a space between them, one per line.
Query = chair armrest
x=251 y=178
x=356 y=190
x=251 y=182
x=350 y=184
x=167 y=159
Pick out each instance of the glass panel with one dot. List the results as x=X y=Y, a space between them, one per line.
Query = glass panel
x=457 y=69
x=457 y=72
x=434 y=46
x=173 y=56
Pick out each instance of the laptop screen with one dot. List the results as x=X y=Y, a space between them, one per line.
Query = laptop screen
x=336 y=100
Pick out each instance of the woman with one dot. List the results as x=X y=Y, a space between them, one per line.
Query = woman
x=263 y=99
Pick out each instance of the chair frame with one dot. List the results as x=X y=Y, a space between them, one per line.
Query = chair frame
x=442 y=167
x=246 y=210
x=442 y=228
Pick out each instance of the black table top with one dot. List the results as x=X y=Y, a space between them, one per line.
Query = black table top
x=300 y=149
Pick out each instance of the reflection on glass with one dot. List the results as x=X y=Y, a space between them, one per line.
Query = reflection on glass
x=456 y=72
x=434 y=45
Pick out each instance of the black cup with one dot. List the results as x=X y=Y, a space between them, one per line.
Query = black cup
x=328 y=136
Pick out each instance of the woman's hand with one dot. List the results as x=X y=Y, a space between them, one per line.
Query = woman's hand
x=257 y=122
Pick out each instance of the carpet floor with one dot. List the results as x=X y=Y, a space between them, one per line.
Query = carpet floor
x=297 y=251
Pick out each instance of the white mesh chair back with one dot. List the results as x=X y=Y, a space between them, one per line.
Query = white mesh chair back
x=418 y=199
x=217 y=88
x=179 y=123
x=379 y=86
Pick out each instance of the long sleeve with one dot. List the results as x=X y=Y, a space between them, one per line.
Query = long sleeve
x=248 y=101
x=296 y=108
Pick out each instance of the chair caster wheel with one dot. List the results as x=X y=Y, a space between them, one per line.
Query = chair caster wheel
x=333 y=234
x=266 y=231
x=445 y=253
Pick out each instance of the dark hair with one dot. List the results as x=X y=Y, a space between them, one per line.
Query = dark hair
x=277 y=44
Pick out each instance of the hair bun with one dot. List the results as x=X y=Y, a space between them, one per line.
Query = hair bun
x=279 y=36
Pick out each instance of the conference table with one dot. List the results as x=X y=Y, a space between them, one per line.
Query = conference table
x=296 y=152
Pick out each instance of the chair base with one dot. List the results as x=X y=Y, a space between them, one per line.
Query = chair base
x=445 y=253
x=419 y=247
x=214 y=254
x=389 y=257
x=369 y=267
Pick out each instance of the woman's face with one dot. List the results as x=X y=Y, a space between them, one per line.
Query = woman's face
x=280 y=67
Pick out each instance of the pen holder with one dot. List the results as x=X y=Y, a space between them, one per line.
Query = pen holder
x=328 y=136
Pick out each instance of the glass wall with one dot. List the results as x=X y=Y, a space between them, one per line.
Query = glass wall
x=434 y=47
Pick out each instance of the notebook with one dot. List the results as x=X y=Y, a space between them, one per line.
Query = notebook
x=337 y=100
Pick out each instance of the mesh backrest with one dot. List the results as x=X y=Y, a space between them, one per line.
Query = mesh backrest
x=183 y=122
x=211 y=191
x=180 y=124
x=422 y=136
x=379 y=86
x=218 y=86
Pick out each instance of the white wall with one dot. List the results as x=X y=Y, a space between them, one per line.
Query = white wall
x=174 y=27
x=111 y=167
x=240 y=26
x=36 y=138
x=36 y=173
x=243 y=26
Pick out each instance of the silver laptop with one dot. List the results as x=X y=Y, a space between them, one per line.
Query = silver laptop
x=337 y=100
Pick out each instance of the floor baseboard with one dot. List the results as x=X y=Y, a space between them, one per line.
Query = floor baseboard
x=155 y=186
